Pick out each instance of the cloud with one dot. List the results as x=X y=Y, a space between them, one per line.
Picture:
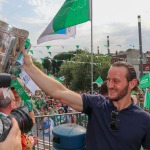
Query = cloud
x=116 y=19
x=45 y=9
x=2 y=2
x=31 y=20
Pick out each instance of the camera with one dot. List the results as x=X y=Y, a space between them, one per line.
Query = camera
x=25 y=123
x=5 y=80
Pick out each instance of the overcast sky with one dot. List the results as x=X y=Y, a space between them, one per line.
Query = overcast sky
x=114 y=18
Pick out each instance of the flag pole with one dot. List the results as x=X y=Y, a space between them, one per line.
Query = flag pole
x=91 y=15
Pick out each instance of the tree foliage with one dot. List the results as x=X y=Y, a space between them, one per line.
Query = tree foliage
x=77 y=71
x=47 y=64
x=62 y=57
x=39 y=65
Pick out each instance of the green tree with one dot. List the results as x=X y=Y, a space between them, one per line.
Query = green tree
x=77 y=71
x=39 y=65
x=47 y=64
x=64 y=56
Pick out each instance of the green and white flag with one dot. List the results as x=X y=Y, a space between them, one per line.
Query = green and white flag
x=62 y=26
x=71 y=13
x=60 y=79
x=144 y=81
x=147 y=100
x=99 y=81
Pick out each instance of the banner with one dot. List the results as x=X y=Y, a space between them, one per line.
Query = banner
x=144 y=81
x=147 y=100
x=28 y=82
x=99 y=81
x=20 y=90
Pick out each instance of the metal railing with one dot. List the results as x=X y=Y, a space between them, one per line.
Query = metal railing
x=44 y=125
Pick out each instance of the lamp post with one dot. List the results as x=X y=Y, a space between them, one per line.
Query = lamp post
x=140 y=46
x=108 y=45
x=97 y=49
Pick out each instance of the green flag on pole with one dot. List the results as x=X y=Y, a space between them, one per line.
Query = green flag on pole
x=60 y=79
x=144 y=81
x=71 y=13
x=147 y=100
x=99 y=81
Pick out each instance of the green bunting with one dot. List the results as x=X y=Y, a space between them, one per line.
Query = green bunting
x=77 y=46
x=31 y=51
x=48 y=47
x=49 y=53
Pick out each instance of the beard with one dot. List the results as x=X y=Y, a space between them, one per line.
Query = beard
x=122 y=93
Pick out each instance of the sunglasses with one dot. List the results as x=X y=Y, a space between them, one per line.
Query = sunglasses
x=114 y=122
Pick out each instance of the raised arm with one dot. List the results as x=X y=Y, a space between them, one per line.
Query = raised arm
x=51 y=86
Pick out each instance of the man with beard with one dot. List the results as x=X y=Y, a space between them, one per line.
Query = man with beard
x=115 y=123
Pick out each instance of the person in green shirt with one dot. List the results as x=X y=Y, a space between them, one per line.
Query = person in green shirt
x=37 y=103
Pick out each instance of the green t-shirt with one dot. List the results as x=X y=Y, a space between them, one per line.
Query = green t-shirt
x=29 y=105
x=37 y=104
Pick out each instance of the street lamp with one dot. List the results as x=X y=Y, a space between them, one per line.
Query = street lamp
x=140 y=46
x=108 y=45
x=97 y=49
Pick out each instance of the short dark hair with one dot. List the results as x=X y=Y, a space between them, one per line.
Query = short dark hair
x=131 y=74
x=103 y=89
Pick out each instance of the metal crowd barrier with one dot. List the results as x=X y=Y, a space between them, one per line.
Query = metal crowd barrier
x=44 y=125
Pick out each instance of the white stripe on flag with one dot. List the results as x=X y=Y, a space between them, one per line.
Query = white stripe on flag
x=70 y=32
